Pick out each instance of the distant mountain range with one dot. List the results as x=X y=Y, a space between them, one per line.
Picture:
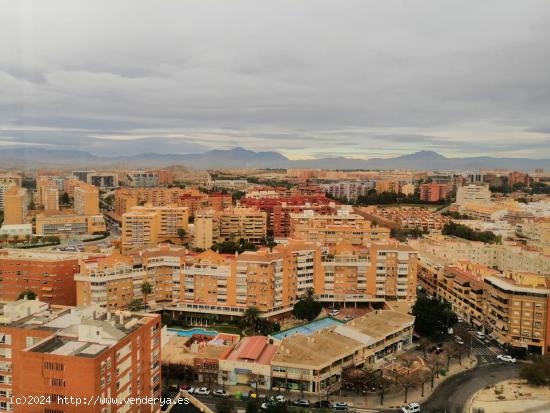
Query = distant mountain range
x=26 y=157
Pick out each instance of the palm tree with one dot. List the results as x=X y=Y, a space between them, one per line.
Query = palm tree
x=309 y=295
x=146 y=289
x=251 y=318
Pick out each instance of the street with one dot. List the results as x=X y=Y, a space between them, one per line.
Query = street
x=453 y=394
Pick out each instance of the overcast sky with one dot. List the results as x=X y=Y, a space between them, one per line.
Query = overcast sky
x=305 y=78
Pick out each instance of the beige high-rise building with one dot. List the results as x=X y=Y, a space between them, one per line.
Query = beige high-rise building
x=148 y=225
x=15 y=205
x=86 y=199
x=247 y=223
x=8 y=180
x=48 y=194
x=206 y=228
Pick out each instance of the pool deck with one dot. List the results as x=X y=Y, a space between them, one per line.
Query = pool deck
x=307 y=329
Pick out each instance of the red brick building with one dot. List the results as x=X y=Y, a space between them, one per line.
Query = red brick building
x=87 y=353
x=279 y=209
x=49 y=275
x=433 y=192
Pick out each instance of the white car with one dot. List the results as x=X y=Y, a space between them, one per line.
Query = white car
x=479 y=335
x=459 y=340
x=334 y=313
x=507 y=358
x=411 y=408
x=220 y=393
x=279 y=399
x=203 y=391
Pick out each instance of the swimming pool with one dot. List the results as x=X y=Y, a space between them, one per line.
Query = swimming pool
x=307 y=329
x=192 y=331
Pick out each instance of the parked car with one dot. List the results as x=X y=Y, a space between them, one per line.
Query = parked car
x=479 y=335
x=459 y=340
x=220 y=393
x=279 y=398
x=507 y=358
x=192 y=390
x=411 y=408
x=340 y=406
x=203 y=391
x=301 y=403
x=348 y=318
x=334 y=313
x=321 y=404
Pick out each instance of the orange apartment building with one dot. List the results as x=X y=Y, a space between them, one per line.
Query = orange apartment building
x=340 y=228
x=149 y=225
x=88 y=353
x=86 y=199
x=193 y=199
x=433 y=192
x=229 y=225
x=279 y=209
x=15 y=206
x=47 y=191
x=50 y=275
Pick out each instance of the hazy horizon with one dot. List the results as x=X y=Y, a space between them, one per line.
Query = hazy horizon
x=310 y=79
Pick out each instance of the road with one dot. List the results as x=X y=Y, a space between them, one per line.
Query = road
x=453 y=394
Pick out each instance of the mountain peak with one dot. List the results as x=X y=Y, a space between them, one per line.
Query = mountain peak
x=423 y=156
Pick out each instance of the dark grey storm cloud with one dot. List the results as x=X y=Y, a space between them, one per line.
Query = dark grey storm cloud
x=357 y=78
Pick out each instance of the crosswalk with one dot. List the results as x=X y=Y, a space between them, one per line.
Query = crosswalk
x=483 y=353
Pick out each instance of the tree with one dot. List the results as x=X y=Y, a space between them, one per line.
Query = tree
x=65 y=200
x=307 y=308
x=135 y=305
x=251 y=319
x=31 y=295
x=384 y=384
x=423 y=376
x=15 y=239
x=538 y=372
x=181 y=234
x=407 y=381
x=146 y=289
x=4 y=238
x=28 y=238
x=433 y=316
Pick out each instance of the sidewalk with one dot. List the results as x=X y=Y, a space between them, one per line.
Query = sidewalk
x=397 y=399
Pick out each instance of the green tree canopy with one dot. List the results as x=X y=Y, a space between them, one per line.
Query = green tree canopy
x=31 y=295
x=433 y=316
x=307 y=308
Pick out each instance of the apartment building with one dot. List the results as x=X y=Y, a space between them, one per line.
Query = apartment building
x=316 y=361
x=279 y=209
x=473 y=194
x=344 y=272
x=114 y=281
x=6 y=181
x=15 y=206
x=518 y=312
x=103 y=179
x=348 y=190
x=141 y=179
x=90 y=353
x=434 y=192
x=50 y=275
x=536 y=230
x=47 y=191
x=86 y=199
x=505 y=258
x=411 y=217
x=82 y=175
x=148 y=225
x=68 y=225
x=235 y=223
x=518 y=178
x=343 y=227
x=393 y=271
